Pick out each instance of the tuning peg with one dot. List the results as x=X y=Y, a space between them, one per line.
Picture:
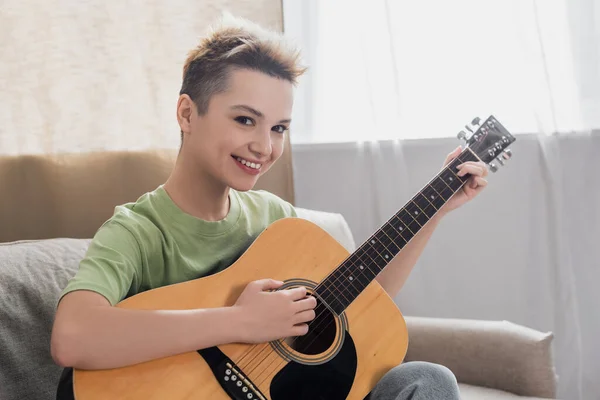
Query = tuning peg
x=507 y=154
x=501 y=161
x=493 y=167
x=462 y=135
x=476 y=121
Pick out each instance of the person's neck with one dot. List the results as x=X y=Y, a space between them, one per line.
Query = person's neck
x=197 y=195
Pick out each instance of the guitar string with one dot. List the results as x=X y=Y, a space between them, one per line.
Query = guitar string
x=399 y=234
x=283 y=362
x=454 y=191
x=360 y=271
x=338 y=278
x=265 y=370
x=353 y=264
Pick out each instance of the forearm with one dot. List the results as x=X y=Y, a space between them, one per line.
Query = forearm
x=110 y=337
x=393 y=277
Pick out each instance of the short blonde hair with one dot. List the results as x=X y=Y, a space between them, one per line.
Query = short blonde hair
x=236 y=43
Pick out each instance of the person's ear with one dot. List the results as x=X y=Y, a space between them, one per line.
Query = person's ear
x=185 y=108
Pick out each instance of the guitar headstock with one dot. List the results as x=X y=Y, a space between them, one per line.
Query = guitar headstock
x=489 y=140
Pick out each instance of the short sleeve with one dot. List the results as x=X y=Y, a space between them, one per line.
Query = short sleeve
x=280 y=208
x=111 y=265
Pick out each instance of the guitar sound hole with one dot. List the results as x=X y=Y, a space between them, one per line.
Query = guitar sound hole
x=321 y=333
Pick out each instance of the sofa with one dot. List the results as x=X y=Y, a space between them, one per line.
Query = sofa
x=51 y=205
x=493 y=360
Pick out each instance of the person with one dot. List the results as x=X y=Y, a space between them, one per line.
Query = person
x=234 y=111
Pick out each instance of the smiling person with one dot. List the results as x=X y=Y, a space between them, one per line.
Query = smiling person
x=234 y=111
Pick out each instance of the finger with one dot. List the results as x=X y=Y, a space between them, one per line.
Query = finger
x=297 y=293
x=307 y=303
x=475 y=182
x=304 y=316
x=468 y=168
x=299 y=330
x=266 y=284
x=484 y=167
x=480 y=183
x=452 y=155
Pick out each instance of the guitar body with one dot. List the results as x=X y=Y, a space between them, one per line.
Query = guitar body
x=354 y=351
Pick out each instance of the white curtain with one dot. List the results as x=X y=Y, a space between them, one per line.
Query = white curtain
x=404 y=69
x=526 y=250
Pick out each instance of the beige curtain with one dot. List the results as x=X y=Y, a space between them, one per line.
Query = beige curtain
x=88 y=90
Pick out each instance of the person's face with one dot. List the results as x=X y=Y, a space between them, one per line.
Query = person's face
x=242 y=134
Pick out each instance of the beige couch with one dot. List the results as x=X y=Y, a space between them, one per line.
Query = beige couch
x=58 y=204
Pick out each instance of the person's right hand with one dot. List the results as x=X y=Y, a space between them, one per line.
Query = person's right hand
x=267 y=316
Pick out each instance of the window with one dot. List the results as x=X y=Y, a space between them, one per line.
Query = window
x=407 y=70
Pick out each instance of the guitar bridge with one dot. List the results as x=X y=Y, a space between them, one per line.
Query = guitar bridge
x=236 y=381
x=231 y=378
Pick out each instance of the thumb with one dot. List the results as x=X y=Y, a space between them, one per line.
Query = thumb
x=268 y=284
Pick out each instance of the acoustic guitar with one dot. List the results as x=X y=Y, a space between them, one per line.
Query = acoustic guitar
x=358 y=333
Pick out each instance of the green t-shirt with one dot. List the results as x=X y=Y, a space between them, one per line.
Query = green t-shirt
x=152 y=243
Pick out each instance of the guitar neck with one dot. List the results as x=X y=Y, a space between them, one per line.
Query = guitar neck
x=353 y=275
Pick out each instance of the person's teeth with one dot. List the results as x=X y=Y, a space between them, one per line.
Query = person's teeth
x=248 y=163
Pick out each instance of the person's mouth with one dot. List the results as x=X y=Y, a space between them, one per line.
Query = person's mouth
x=247 y=165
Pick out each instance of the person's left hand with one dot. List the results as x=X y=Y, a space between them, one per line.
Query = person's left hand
x=474 y=185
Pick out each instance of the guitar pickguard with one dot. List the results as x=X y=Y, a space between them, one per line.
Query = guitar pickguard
x=328 y=381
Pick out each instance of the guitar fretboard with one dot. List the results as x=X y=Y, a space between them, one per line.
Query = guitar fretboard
x=347 y=281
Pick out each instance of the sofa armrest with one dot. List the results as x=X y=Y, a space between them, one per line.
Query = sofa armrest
x=495 y=354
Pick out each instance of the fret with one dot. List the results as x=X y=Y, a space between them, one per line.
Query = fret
x=371 y=259
x=429 y=209
x=409 y=221
x=442 y=189
x=434 y=197
x=450 y=179
x=393 y=234
x=421 y=201
x=382 y=251
x=332 y=300
x=452 y=168
x=362 y=277
x=468 y=155
x=401 y=229
x=388 y=243
x=339 y=286
x=417 y=213
x=346 y=283
x=376 y=252
x=363 y=268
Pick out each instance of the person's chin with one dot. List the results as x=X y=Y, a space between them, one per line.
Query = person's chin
x=243 y=185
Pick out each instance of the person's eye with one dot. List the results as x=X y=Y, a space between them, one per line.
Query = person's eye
x=245 y=120
x=280 y=128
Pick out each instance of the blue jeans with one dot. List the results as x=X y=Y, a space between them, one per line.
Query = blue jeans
x=416 y=380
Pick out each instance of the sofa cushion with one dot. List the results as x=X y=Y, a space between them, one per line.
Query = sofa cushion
x=32 y=274
x=469 y=392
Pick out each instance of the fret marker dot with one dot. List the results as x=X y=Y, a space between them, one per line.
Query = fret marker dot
x=432 y=197
x=401 y=228
x=372 y=241
x=351 y=278
x=450 y=179
x=416 y=212
x=361 y=267
x=386 y=256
